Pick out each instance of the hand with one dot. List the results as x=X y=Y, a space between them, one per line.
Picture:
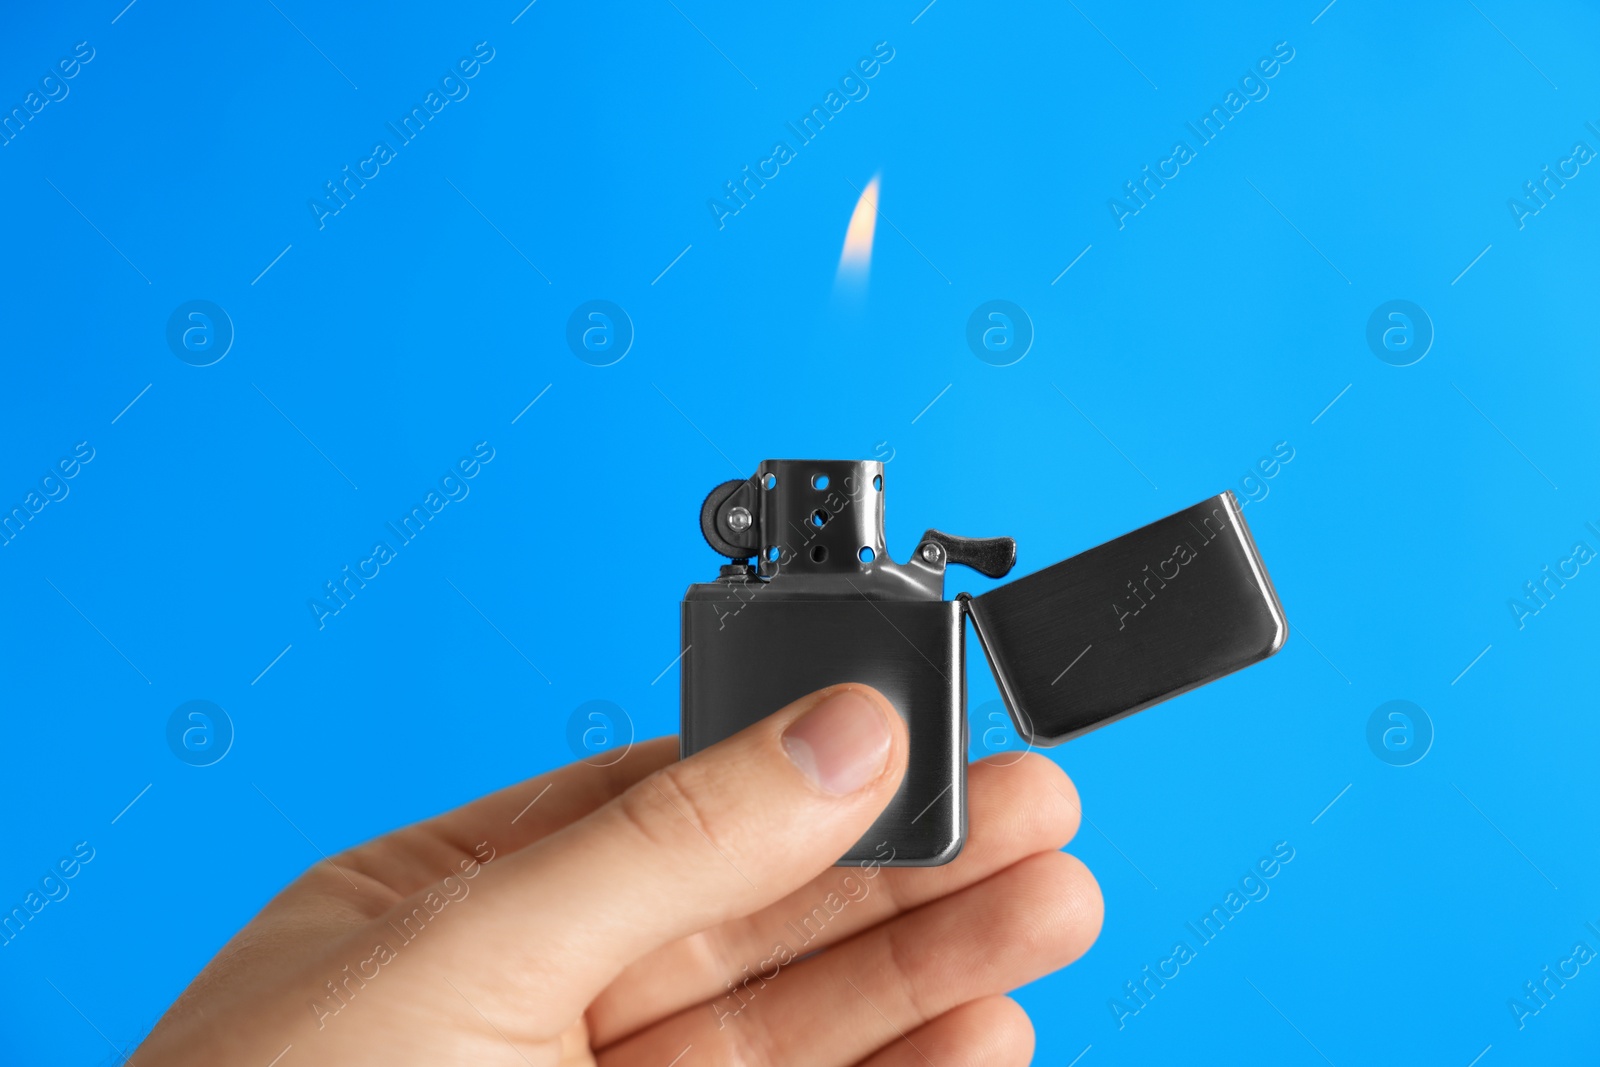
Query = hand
x=662 y=912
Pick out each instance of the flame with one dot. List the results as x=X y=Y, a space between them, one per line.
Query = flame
x=857 y=254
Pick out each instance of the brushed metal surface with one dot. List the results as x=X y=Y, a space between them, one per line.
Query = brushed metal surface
x=1130 y=623
x=751 y=651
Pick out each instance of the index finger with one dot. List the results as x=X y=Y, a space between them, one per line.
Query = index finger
x=719 y=834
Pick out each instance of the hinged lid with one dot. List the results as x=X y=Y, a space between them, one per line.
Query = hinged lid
x=1130 y=623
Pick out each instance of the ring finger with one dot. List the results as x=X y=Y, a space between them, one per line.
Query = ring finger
x=1018 y=925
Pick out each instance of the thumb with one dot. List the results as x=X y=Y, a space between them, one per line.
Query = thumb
x=713 y=837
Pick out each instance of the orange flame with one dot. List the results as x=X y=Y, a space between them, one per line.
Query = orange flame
x=857 y=255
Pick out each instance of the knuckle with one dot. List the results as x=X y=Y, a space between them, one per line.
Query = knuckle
x=641 y=810
x=906 y=971
x=667 y=810
x=899 y=895
x=753 y=1045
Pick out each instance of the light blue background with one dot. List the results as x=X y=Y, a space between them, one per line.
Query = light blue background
x=1221 y=320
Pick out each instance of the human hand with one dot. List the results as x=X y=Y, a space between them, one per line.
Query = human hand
x=664 y=912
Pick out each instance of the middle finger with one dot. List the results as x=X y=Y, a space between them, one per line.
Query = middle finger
x=1015 y=810
x=1016 y=926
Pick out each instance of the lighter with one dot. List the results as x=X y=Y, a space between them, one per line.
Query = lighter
x=1111 y=631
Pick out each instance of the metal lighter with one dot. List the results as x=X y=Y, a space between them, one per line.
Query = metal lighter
x=1111 y=631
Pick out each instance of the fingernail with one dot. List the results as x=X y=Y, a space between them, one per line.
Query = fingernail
x=841 y=744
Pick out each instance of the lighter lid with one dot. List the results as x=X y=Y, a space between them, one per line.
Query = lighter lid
x=1130 y=623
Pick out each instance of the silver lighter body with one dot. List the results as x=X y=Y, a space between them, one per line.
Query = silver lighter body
x=1113 y=630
